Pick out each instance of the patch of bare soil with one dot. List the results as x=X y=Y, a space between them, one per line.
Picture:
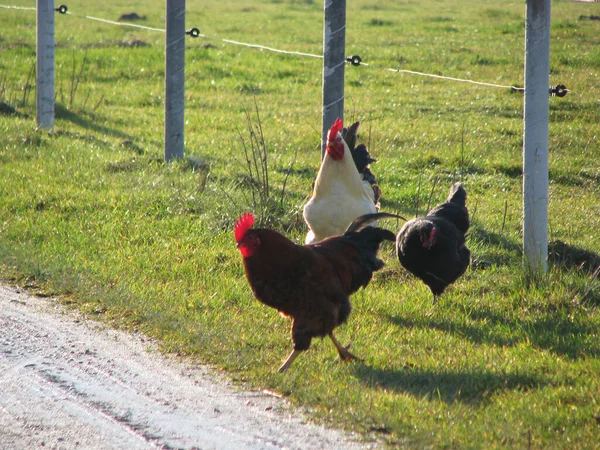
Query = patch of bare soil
x=66 y=382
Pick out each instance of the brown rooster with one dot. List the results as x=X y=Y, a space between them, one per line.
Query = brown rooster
x=433 y=247
x=311 y=284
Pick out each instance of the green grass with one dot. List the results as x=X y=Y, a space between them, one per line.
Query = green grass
x=92 y=214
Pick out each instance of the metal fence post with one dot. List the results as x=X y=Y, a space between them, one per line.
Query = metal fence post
x=44 y=75
x=334 y=61
x=174 y=79
x=535 y=136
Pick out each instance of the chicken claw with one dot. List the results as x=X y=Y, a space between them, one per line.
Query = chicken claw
x=343 y=351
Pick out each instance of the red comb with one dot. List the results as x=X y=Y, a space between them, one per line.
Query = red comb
x=242 y=225
x=335 y=129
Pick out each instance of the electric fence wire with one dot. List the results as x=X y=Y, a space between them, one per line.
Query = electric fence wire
x=24 y=8
x=120 y=24
x=559 y=90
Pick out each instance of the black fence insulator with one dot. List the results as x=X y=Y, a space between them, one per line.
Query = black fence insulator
x=560 y=90
x=62 y=9
x=194 y=32
x=355 y=60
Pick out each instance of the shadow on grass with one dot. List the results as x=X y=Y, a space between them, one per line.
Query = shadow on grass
x=448 y=386
x=564 y=177
x=561 y=254
x=553 y=332
x=511 y=251
x=78 y=119
x=568 y=256
x=495 y=239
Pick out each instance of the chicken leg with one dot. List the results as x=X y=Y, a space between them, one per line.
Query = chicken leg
x=288 y=362
x=343 y=351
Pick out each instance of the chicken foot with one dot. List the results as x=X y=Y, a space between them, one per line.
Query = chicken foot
x=343 y=351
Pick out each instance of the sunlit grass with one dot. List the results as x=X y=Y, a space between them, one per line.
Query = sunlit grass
x=91 y=213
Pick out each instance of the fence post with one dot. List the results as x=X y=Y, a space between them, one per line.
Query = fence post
x=334 y=62
x=535 y=136
x=44 y=75
x=174 y=79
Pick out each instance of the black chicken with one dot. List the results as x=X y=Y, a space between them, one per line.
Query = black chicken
x=433 y=247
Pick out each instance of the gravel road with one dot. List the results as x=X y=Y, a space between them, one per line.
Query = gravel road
x=67 y=382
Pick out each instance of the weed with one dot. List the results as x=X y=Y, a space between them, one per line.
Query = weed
x=76 y=78
x=28 y=85
x=256 y=177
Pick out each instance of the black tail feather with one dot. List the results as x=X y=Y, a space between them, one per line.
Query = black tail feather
x=350 y=135
x=363 y=221
x=457 y=195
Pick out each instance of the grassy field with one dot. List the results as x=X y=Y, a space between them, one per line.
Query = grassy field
x=90 y=212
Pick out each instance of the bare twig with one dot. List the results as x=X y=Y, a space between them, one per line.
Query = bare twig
x=253 y=159
x=435 y=182
x=86 y=99
x=256 y=162
x=242 y=165
x=72 y=93
x=504 y=218
x=263 y=200
x=248 y=166
x=287 y=176
x=2 y=86
x=76 y=79
x=418 y=195
x=203 y=174
x=263 y=147
x=475 y=210
x=462 y=152
x=230 y=198
x=27 y=87
x=59 y=92
x=98 y=104
x=591 y=285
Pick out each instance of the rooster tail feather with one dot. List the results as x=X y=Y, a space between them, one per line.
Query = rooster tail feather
x=377 y=234
x=367 y=243
x=457 y=194
x=363 y=221
x=350 y=135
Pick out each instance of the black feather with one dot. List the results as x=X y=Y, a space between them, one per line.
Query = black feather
x=454 y=208
x=433 y=247
x=363 y=221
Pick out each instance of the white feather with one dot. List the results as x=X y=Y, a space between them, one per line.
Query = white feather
x=339 y=197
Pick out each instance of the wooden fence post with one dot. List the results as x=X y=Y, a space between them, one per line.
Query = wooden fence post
x=174 y=79
x=44 y=75
x=334 y=62
x=535 y=136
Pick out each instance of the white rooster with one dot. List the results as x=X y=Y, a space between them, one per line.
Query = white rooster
x=339 y=195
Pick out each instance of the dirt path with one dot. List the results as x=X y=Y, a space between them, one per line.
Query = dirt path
x=70 y=383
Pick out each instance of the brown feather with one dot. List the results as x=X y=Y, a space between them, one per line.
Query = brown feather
x=312 y=284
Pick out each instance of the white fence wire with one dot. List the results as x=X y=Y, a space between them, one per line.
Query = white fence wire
x=197 y=33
